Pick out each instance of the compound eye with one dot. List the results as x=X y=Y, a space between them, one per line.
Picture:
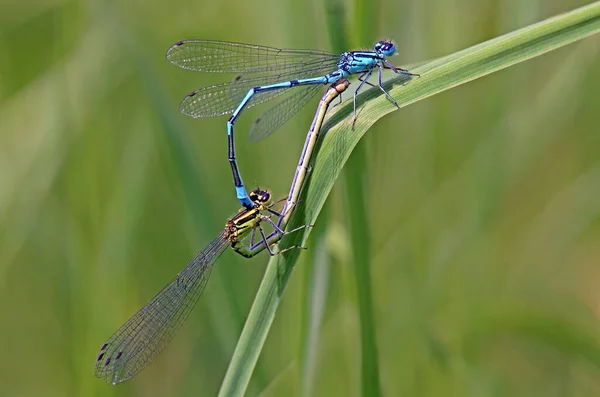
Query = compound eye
x=255 y=195
x=259 y=196
x=265 y=197
x=387 y=48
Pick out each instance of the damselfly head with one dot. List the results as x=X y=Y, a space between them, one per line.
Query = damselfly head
x=385 y=47
x=260 y=197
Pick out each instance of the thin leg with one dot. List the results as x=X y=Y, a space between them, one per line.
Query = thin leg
x=285 y=211
x=274 y=212
x=252 y=235
x=360 y=78
x=298 y=228
x=278 y=201
x=339 y=102
x=388 y=65
x=264 y=239
x=290 y=248
x=277 y=228
x=281 y=232
x=366 y=76
x=289 y=209
x=275 y=235
x=380 y=73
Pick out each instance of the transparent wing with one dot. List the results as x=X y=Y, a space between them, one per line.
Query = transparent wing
x=224 y=98
x=226 y=57
x=275 y=117
x=145 y=334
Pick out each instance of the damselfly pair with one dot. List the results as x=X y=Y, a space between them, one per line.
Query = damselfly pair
x=145 y=334
x=265 y=73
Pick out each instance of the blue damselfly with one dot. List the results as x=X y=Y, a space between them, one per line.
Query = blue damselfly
x=265 y=73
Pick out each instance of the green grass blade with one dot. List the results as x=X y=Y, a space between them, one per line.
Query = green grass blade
x=360 y=247
x=436 y=76
x=317 y=271
x=366 y=15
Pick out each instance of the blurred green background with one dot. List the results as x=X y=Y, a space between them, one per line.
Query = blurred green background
x=484 y=209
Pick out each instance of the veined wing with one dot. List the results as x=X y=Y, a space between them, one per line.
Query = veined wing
x=278 y=115
x=227 y=57
x=224 y=98
x=144 y=335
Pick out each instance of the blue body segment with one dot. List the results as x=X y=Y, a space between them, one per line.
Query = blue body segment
x=265 y=73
